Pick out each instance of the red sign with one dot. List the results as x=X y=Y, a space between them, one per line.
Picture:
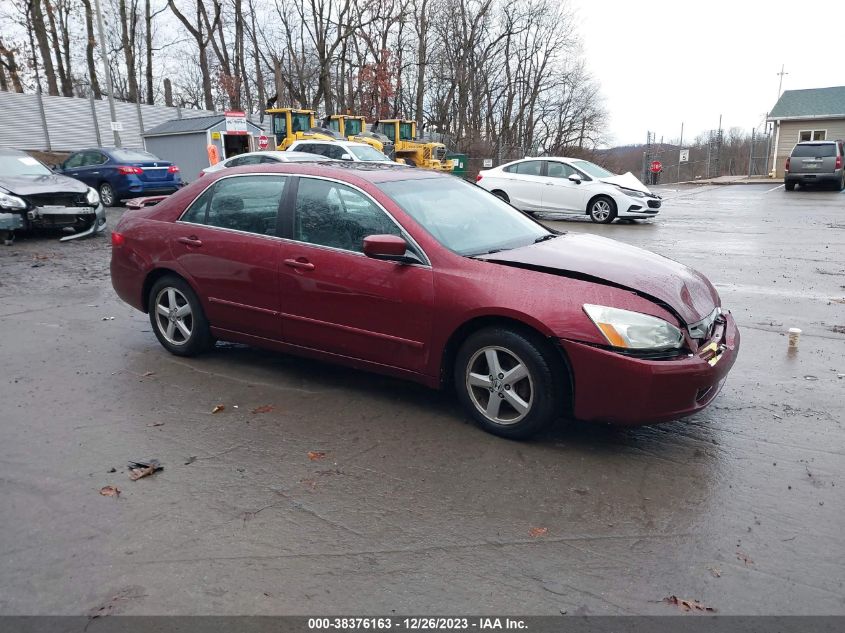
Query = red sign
x=656 y=167
x=263 y=141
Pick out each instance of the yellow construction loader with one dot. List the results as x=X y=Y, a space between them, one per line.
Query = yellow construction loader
x=403 y=134
x=290 y=125
x=354 y=128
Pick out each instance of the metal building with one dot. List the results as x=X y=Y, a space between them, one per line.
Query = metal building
x=185 y=141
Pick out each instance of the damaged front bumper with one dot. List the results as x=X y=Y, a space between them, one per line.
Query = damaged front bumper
x=84 y=221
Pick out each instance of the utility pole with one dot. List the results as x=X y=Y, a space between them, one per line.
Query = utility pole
x=680 y=147
x=108 y=73
x=780 y=81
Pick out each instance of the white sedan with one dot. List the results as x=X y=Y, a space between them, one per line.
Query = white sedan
x=263 y=157
x=570 y=185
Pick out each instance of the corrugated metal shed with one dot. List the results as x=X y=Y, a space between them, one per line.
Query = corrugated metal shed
x=813 y=103
x=186 y=126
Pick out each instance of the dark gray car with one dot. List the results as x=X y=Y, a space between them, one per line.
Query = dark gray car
x=33 y=197
x=816 y=163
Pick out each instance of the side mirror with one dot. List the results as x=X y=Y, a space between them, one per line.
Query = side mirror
x=575 y=178
x=346 y=157
x=391 y=248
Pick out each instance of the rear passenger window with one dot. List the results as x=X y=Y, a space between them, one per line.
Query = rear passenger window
x=529 y=168
x=328 y=213
x=196 y=212
x=241 y=203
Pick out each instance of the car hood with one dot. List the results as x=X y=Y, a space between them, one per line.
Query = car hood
x=627 y=180
x=688 y=293
x=48 y=183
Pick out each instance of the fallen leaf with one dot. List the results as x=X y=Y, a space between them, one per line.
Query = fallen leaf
x=537 y=531
x=190 y=460
x=156 y=424
x=148 y=373
x=744 y=558
x=110 y=491
x=137 y=473
x=687 y=605
x=265 y=408
x=218 y=408
x=112 y=470
x=315 y=455
x=715 y=572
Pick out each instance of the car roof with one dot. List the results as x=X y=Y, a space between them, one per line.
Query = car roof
x=355 y=173
x=12 y=152
x=337 y=142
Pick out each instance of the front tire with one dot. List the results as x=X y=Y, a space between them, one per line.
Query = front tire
x=789 y=186
x=177 y=317
x=602 y=210
x=506 y=380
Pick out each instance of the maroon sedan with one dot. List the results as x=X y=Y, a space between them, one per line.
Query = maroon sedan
x=423 y=276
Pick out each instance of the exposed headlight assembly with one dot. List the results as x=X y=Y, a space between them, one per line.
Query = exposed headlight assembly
x=631 y=192
x=8 y=201
x=633 y=330
x=92 y=197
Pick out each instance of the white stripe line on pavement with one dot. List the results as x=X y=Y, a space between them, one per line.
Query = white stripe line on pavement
x=773 y=188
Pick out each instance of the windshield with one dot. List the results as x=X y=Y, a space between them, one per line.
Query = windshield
x=365 y=152
x=22 y=166
x=819 y=150
x=406 y=132
x=352 y=127
x=301 y=122
x=591 y=169
x=129 y=155
x=464 y=218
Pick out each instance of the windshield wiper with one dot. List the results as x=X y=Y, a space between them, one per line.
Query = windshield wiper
x=543 y=238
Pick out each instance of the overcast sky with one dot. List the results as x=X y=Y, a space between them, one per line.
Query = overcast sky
x=715 y=57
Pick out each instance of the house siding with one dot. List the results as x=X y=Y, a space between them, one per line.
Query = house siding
x=789 y=133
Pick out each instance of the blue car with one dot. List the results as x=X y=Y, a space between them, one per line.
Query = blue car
x=118 y=174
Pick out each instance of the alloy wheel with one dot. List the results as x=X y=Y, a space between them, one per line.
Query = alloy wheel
x=499 y=385
x=601 y=210
x=106 y=195
x=173 y=315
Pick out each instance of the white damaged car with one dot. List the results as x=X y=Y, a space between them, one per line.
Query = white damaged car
x=570 y=185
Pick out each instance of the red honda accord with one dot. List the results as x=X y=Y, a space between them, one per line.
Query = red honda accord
x=424 y=276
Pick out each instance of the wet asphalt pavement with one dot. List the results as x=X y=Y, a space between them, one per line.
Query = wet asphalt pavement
x=403 y=506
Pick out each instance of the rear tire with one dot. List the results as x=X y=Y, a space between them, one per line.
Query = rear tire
x=842 y=182
x=107 y=196
x=177 y=317
x=602 y=210
x=507 y=381
x=789 y=186
x=501 y=195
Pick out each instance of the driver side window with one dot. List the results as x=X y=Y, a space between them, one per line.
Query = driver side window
x=327 y=213
x=558 y=170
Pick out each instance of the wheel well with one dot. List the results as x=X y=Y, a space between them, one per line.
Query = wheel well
x=153 y=277
x=596 y=197
x=457 y=338
x=495 y=191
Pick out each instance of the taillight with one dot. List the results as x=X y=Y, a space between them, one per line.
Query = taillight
x=117 y=239
x=838 y=162
x=173 y=169
x=787 y=164
x=478 y=178
x=126 y=170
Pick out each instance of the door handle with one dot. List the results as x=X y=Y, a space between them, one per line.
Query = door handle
x=301 y=264
x=190 y=241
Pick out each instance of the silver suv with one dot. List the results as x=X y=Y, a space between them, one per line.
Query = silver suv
x=816 y=163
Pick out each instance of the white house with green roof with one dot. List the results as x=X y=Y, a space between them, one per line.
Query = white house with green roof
x=816 y=114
